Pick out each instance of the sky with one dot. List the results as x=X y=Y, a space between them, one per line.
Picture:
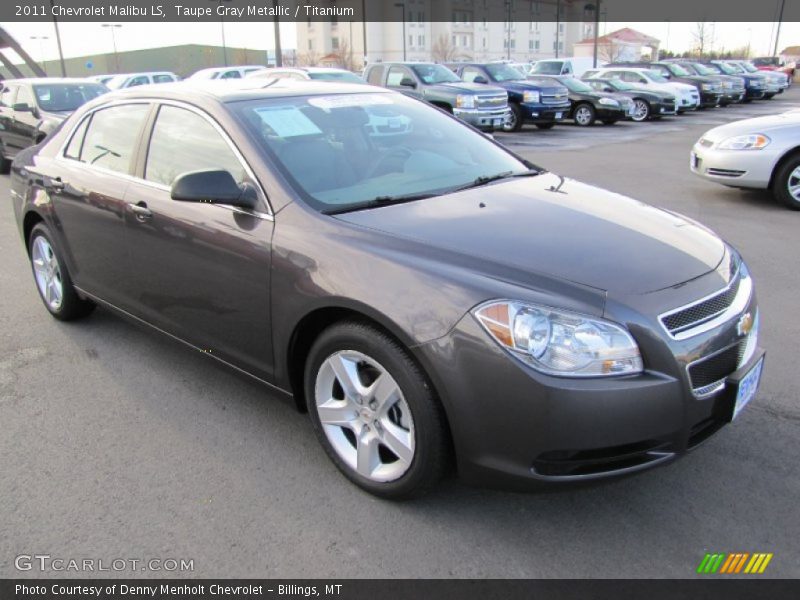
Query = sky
x=80 y=39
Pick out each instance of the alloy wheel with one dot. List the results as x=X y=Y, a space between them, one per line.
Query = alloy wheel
x=364 y=416
x=583 y=116
x=511 y=122
x=47 y=272
x=793 y=184
x=641 y=111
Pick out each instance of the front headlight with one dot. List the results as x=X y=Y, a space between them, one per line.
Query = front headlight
x=531 y=97
x=705 y=86
x=754 y=141
x=559 y=342
x=463 y=101
x=609 y=102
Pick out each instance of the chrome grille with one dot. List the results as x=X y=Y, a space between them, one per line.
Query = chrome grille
x=491 y=102
x=554 y=99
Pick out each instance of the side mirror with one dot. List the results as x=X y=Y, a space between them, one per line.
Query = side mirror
x=408 y=82
x=480 y=79
x=22 y=107
x=608 y=88
x=213 y=187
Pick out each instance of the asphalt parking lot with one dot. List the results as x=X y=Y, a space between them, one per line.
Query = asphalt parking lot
x=117 y=443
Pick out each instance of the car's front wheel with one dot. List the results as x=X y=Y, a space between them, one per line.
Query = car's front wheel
x=786 y=185
x=641 y=110
x=515 y=119
x=374 y=411
x=584 y=115
x=52 y=278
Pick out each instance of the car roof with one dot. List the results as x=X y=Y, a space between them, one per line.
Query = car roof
x=240 y=89
x=44 y=80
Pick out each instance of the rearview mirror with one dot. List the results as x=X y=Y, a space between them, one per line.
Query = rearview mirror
x=213 y=187
x=408 y=82
x=480 y=79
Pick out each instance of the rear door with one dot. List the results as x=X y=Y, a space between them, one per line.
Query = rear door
x=7 y=142
x=199 y=271
x=24 y=124
x=87 y=183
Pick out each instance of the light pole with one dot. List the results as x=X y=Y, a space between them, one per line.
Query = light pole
x=112 y=27
x=508 y=29
x=402 y=5
x=58 y=42
x=222 y=29
x=41 y=39
x=596 y=8
x=278 y=50
x=778 y=34
x=558 y=23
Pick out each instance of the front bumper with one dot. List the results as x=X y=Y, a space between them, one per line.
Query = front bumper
x=515 y=427
x=610 y=113
x=664 y=108
x=754 y=93
x=486 y=120
x=544 y=113
x=735 y=168
x=710 y=99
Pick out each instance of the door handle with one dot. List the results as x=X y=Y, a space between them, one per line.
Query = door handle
x=141 y=211
x=54 y=184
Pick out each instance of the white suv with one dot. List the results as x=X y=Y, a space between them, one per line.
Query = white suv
x=687 y=95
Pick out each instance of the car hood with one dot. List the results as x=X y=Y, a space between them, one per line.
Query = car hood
x=467 y=87
x=790 y=119
x=560 y=228
x=524 y=86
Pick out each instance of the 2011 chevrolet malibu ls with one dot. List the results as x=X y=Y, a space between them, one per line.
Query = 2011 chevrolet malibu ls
x=426 y=294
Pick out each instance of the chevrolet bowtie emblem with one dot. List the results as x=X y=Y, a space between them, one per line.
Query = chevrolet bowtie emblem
x=745 y=324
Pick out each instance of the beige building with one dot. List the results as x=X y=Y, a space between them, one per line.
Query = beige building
x=421 y=30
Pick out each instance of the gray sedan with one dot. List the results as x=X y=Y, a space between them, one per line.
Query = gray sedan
x=762 y=153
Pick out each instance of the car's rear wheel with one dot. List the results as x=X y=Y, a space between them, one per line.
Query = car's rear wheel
x=52 y=278
x=545 y=125
x=641 y=110
x=786 y=185
x=515 y=119
x=584 y=115
x=374 y=411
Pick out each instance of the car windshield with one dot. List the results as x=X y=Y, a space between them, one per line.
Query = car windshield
x=734 y=67
x=678 y=70
x=345 y=76
x=703 y=70
x=344 y=151
x=575 y=85
x=749 y=68
x=655 y=77
x=547 y=68
x=66 y=97
x=504 y=73
x=619 y=85
x=432 y=74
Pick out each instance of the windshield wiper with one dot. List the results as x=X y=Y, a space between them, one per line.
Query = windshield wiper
x=377 y=202
x=486 y=179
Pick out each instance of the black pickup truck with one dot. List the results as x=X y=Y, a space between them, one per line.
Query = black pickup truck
x=529 y=101
x=481 y=106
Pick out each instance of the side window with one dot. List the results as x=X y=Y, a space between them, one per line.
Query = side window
x=111 y=136
x=470 y=73
x=183 y=141
x=162 y=78
x=140 y=80
x=396 y=75
x=231 y=75
x=24 y=96
x=73 y=149
x=567 y=70
x=375 y=75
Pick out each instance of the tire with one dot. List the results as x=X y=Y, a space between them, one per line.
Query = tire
x=52 y=278
x=584 y=115
x=516 y=119
x=788 y=175
x=5 y=163
x=403 y=441
x=545 y=125
x=642 y=110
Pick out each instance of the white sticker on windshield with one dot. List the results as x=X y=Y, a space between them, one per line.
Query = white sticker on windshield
x=288 y=121
x=349 y=100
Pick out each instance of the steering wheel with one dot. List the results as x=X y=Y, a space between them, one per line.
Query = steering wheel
x=399 y=153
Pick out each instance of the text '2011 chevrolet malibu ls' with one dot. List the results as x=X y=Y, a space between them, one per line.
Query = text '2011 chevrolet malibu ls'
x=430 y=297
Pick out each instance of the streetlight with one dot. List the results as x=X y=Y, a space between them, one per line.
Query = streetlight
x=508 y=29
x=112 y=27
x=596 y=8
x=402 y=5
x=222 y=27
x=41 y=39
x=58 y=41
x=276 y=26
x=778 y=34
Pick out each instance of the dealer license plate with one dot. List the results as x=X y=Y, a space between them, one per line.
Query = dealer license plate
x=558 y=115
x=748 y=387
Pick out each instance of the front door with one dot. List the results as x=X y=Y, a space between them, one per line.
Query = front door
x=199 y=271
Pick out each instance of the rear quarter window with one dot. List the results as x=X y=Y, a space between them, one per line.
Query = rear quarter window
x=375 y=75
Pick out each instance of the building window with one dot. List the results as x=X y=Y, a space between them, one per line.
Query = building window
x=335 y=43
x=560 y=28
x=421 y=41
x=411 y=40
x=536 y=44
x=512 y=43
x=310 y=44
x=485 y=43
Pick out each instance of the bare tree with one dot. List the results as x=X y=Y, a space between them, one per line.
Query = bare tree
x=344 y=55
x=610 y=52
x=443 y=50
x=702 y=37
x=308 y=59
